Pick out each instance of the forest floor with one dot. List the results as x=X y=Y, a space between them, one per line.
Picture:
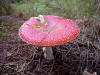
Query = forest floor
x=20 y=58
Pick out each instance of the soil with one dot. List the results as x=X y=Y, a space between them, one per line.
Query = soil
x=20 y=58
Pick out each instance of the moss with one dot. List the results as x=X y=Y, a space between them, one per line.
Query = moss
x=3 y=34
x=66 y=8
x=11 y=24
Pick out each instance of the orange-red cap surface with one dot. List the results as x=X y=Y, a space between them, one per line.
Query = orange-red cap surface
x=36 y=33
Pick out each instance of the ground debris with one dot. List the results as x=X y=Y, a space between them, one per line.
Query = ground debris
x=18 y=57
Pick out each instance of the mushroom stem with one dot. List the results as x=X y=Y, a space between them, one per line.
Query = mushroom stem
x=48 y=53
x=42 y=20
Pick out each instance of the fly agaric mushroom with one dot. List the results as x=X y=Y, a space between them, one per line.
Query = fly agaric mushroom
x=45 y=31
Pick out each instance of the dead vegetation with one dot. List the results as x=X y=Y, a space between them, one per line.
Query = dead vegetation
x=18 y=57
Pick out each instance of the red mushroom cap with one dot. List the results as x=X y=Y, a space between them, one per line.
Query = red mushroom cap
x=36 y=33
